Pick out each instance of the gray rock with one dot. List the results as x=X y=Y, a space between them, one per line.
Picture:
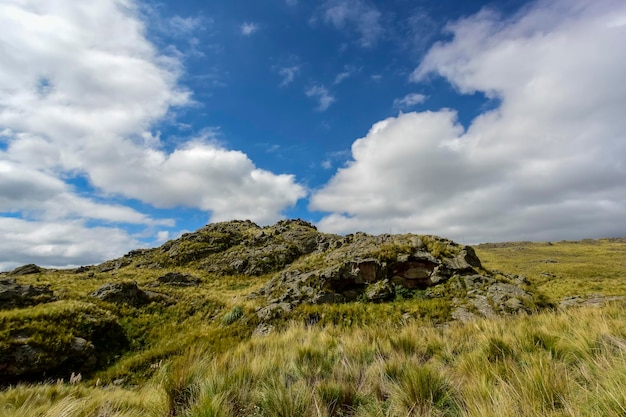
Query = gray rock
x=89 y=339
x=362 y=266
x=592 y=300
x=14 y=295
x=380 y=291
x=463 y=314
x=128 y=293
x=178 y=279
x=273 y=311
x=25 y=270
x=483 y=306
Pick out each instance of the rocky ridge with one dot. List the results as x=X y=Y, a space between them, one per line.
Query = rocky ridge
x=308 y=266
x=301 y=265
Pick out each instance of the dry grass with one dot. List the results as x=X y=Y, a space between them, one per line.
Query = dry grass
x=562 y=269
x=550 y=364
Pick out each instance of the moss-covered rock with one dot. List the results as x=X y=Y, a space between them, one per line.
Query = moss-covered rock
x=233 y=247
x=15 y=295
x=56 y=339
x=365 y=267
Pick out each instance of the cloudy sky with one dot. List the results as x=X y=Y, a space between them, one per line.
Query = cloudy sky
x=124 y=123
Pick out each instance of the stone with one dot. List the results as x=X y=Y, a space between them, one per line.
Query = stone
x=89 y=339
x=592 y=300
x=366 y=267
x=380 y=291
x=14 y=295
x=128 y=293
x=25 y=270
x=273 y=311
x=178 y=279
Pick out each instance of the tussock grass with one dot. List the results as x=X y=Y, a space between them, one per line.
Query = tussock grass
x=550 y=364
x=200 y=357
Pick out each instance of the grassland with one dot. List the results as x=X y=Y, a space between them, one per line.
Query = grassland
x=208 y=355
x=562 y=269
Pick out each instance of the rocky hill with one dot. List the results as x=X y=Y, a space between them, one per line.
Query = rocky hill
x=293 y=263
x=308 y=266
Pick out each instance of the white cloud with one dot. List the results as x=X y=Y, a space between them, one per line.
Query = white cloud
x=342 y=76
x=80 y=89
x=288 y=74
x=546 y=164
x=183 y=26
x=409 y=100
x=37 y=194
x=248 y=28
x=320 y=93
x=355 y=15
x=59 y=244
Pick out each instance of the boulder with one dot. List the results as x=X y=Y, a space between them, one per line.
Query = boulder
x=56 y=339
x=128 y=293
x=178 y=279
x=25 y=270
x=382 y=290
x=14 y=295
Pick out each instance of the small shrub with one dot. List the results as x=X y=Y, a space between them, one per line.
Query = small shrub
x=232 y=316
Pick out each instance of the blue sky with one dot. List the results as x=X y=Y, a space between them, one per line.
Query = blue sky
x=125 y=123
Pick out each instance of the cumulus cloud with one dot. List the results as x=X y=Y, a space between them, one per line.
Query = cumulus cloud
x=319 y=92
x=409 y=100
x=80 y=89
x=546 y=164
x=59 y=243
x=355 y=15
x=37 y=194
x=248 y=28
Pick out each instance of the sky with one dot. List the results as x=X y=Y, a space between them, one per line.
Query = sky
x=124 y=123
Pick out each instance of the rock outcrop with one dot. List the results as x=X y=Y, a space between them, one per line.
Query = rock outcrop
x=362 y=266
x=592 y=300
x=128 y=293
x=25 y=270
x=14 y=295
x=313 y=267
x=177 y=279
x=54 y=340
x=233 y=247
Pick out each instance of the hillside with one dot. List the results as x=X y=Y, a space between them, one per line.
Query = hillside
x=355 y=322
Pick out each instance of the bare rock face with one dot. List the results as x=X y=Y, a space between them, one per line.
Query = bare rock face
x=14 y=295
